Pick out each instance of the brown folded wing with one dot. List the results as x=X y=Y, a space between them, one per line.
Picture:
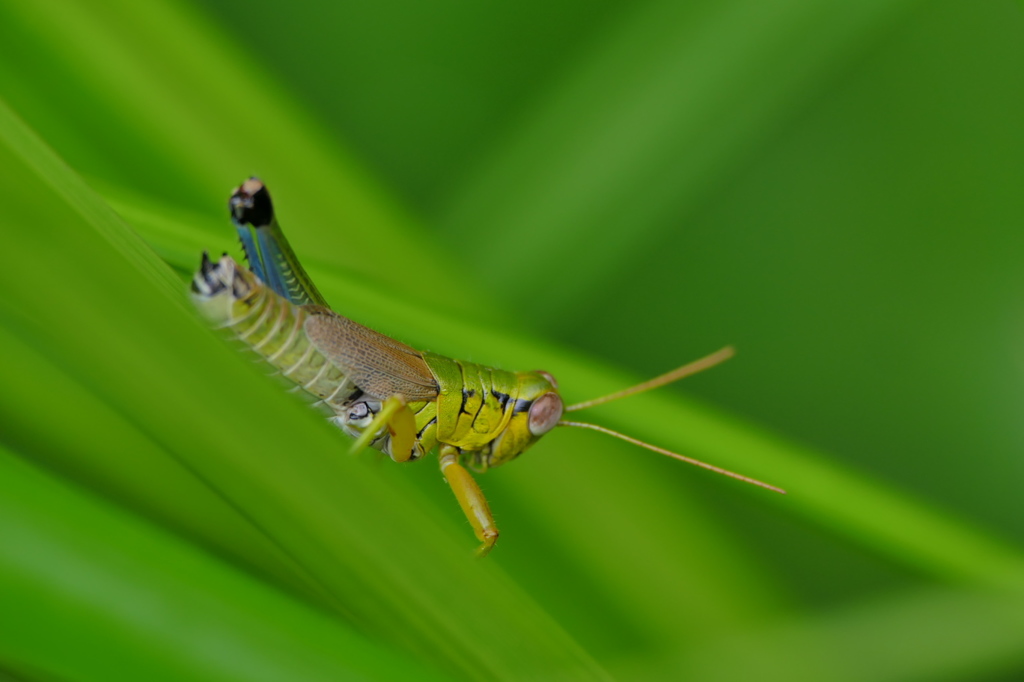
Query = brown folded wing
x=377 y=364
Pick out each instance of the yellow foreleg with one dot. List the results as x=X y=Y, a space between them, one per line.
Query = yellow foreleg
x=401 y=424
x=471 y=499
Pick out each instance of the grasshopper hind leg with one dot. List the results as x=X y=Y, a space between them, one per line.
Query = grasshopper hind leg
x=269 y=254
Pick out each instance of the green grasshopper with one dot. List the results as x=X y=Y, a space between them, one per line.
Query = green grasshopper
x=385 y=394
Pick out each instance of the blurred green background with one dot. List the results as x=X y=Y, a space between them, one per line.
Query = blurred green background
x=599 y=189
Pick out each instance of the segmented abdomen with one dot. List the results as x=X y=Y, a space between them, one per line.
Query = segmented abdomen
x=234 y=299
x=273 y=328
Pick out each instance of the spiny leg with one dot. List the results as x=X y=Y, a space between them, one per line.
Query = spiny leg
x=471 y=499
x=401 y=424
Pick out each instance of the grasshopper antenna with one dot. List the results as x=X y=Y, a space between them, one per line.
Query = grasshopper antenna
x=689 y=369
x=686 y=370
x=674 y=455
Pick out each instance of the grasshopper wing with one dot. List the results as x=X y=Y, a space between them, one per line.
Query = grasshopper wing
x=377 y=364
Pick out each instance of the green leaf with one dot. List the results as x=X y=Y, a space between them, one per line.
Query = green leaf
x=92 y=593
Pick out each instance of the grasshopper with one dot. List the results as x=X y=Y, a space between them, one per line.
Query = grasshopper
x=385 y=394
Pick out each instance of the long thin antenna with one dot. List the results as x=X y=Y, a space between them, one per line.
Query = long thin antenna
x=674 y=455
x=675 y=375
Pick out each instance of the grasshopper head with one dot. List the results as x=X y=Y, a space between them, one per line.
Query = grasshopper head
x=537 y=410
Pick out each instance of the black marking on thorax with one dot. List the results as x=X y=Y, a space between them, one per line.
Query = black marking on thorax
x=425 y=427
x=502 y=398
x=467 y=393
x=521 y=405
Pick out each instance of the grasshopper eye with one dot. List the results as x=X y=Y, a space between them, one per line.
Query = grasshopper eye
x=545 y=413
